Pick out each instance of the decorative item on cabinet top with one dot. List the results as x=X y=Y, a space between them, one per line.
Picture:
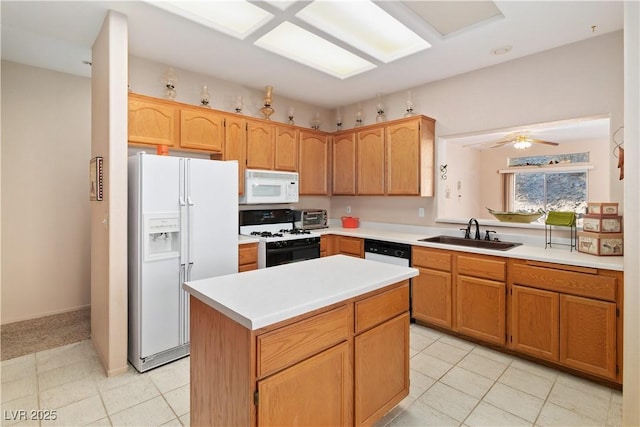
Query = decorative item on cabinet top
x=170 y=80
x=267 y=111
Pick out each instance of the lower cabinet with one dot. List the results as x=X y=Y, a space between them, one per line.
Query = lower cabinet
x=247 y=257
x=481 y=309
x=570 y=316
x=345 y=366
x=313 y=392
x=352 y=246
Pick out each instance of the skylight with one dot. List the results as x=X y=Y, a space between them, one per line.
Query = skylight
x=365 y=26
x=302 y=46
x=236 y=18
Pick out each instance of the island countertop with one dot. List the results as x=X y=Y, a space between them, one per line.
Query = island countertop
x=262 y=297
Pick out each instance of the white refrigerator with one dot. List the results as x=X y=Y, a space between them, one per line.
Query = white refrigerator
x=183 y=225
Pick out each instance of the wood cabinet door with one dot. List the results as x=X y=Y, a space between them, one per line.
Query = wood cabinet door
x=247 y=257
x=201 y=129
x=588 y=335
x=286 y=145
x=535 y=322
x=344 y=164
x=481 y=309
x=152 y=121
x=371 y=162
x=235 y=146
x=260 y=145
x=403 y=158
x=313 y=165
x=381 y=369
x=315 y=392
x=352 y=246
x=431 y=297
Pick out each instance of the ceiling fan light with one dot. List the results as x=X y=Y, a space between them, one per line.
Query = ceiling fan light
x=521 y=144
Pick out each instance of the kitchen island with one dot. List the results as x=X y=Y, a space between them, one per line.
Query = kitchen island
x=320 y=342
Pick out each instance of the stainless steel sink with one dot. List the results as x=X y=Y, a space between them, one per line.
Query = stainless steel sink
x=460 y=241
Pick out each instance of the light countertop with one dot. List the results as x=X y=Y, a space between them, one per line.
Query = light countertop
x=262 y=297
x=534 y=252
x=242 y=239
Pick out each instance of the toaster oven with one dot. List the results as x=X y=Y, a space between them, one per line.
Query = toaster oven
x=310 y=219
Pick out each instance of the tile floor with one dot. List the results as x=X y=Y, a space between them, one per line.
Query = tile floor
x=453 y=383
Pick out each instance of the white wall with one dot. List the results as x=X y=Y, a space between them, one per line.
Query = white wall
x=578 y=80
x=109 y=217
x=46 y=130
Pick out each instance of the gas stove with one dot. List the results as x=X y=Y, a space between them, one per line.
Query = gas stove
x=279 y=241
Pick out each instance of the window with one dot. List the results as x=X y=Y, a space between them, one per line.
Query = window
x=551 y=183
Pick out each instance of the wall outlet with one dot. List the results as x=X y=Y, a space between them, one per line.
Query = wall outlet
x=421 y=212
x=348 y=209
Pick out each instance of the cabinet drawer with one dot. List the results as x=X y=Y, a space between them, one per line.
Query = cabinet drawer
x=285 y=346
x=484 y=267
x=568 y=282
x=379 y=308
x=248 y=253
x=351 y=246
x=429 y=258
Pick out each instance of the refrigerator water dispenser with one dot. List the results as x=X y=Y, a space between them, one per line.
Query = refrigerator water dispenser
x=162 y=237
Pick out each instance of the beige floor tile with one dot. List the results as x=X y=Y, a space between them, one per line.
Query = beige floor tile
x=103 y=422
x=63 y=395
x=581 y=400
x=173 y=423
x=614 y=415
x=457 y=342
x=481 y=365
x=616 y=396
x=468 y=382
x=154 y=412
x=427 y=332
x=412 y=352
x=179 y=400
x=419 y=342
x=12 y=390
x=62 y=375
x=19 y=410
x=490 y=416
x=446 y=352
x=585 y=385
x=186 y=420
x=554 y=415
x=17 y=368
x=65 y=355
x=514 y=401
x=26 y=423
x=171 y=376
x=79 y=413
x=492 y=354
x=534 y=368
x=429 y=365
x=419 y=383
x=527 y=382
x=449 y=401
x=423 y=415
x=130 y=394
x=105 y=383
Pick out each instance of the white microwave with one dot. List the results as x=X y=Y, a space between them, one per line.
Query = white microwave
x=262 y=186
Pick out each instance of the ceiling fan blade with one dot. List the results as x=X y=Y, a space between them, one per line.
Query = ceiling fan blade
x=496 y=144
x=540 y=141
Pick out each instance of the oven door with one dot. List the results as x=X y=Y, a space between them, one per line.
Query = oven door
x=278 y=253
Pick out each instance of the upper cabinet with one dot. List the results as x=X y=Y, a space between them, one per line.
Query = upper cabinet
x=344 y=164
x=260 y=144
x=394 y=158
x=313 y=165
x=286 y=148
x=201 y=129
x=152 y=121
x=235 y=146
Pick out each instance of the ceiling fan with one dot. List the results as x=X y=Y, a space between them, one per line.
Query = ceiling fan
x=520 y=140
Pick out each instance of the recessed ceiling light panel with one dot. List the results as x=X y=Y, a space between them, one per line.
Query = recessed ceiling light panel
x=302 y=46
x=365 y=26
x=238 y=18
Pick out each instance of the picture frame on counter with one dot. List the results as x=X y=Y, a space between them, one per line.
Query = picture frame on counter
x=95 y=179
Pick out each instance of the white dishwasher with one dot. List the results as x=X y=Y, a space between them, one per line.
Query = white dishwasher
x=390 y=253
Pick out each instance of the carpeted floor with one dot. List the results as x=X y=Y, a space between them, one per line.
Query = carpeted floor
x=47 y=332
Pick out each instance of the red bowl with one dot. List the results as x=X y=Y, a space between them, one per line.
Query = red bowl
x=350 y=222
